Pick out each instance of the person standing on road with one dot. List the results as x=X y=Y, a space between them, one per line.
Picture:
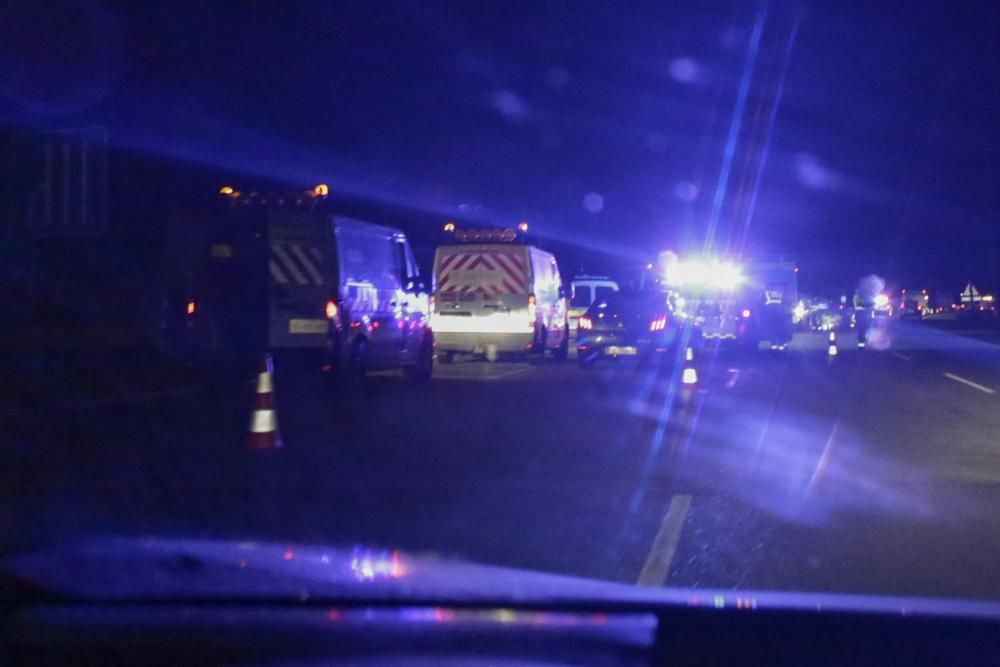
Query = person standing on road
x=864 y=306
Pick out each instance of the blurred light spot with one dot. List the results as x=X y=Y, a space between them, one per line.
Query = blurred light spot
x=812 y=174
x=593 y=202
x=686 y=191
x=684 y=70
x=510 y=105
x=556 y=77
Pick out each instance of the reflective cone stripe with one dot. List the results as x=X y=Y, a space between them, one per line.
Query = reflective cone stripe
x=264 y=420
x=689 y=374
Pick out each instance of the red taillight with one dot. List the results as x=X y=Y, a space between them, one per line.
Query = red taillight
x=585 y=323
x=531 y=310
x=331 y=309
x=192 y=307
x=659 y=323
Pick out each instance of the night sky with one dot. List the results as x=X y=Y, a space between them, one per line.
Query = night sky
x=867 y=139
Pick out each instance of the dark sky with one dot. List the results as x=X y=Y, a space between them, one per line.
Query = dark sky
x=606 y=124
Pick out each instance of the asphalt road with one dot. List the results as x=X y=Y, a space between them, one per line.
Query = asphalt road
x=873 y=471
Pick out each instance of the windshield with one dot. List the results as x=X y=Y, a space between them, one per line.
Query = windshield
x=297 y=274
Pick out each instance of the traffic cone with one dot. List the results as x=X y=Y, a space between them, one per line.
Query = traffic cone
x=832 y=349
x=264 y=420
x=689 y=375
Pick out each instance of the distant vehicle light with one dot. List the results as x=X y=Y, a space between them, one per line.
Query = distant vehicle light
x=192 y=307
x=321 y=190
x=449 y=227
x=881 y=300
x=331 y=309
x=522 y=227
x=987 y=297
x=800 y=311
x=649 y=266
x=585 y=323
x=746 y=312
x=226 y=190
x=725 y=276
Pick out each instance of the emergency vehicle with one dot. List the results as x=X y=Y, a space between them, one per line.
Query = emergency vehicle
x=278 y=273
x=747 y=304
x=495 y=294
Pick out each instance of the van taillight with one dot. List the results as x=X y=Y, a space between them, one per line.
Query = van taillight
x=192 y=307
x=531 y=310
x=331 y=309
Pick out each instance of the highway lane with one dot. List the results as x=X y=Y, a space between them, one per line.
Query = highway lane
x=871 y=471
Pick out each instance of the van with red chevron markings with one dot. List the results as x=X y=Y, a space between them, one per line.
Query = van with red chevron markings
x=493 y=294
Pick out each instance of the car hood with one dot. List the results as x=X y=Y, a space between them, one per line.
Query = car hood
x=179 y=570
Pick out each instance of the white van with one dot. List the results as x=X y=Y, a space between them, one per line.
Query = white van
x=497 y=297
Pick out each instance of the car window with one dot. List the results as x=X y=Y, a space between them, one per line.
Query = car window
x=603 y=291
x=368 y=257
x=581 y=296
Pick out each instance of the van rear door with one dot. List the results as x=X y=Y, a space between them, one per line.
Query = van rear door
x=298 y=244
x=482 y=281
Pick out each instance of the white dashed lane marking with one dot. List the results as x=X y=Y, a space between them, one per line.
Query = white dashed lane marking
x=657 y=566
x=970 y=383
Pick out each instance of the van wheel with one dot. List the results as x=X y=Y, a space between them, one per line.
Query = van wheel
x=424 y=368
x=446 y=357
x=561 y=353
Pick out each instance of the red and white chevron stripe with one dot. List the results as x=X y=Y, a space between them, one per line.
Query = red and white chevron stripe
x=295 y=264
x=502 y=273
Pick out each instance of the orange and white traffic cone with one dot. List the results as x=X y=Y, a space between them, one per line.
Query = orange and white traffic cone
x=264 y=420
x=831 y=349
x=689 y=375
